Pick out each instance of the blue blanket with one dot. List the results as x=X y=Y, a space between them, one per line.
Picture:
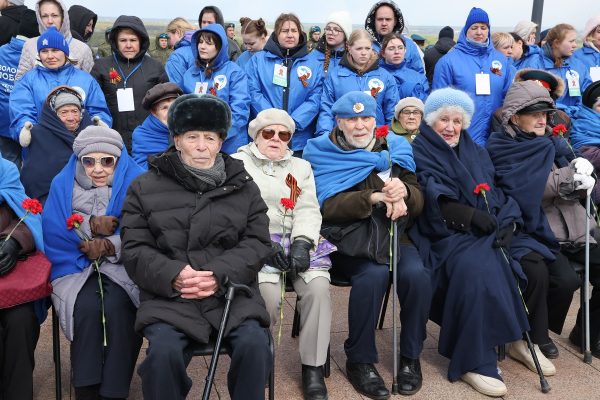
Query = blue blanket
x=150 y=138
x=585 y=130
x=62 y=245
x=337 y=170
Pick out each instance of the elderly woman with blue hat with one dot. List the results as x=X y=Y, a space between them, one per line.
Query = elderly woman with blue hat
x=475 y=67
x=467 y=219
x=365 y=180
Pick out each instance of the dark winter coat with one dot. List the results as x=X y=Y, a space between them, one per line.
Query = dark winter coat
x=80 y=17
x=10 y=18
x=434 y=53
x=149 y=73
x=171 y=219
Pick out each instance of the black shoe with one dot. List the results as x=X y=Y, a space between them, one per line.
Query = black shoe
x=313 y=384
x=549 y=349
x=409 y=376
x=366 y=380
x=91 y=392
x=575 y=338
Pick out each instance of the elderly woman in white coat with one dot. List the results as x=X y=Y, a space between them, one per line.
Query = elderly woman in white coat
x=283 y=178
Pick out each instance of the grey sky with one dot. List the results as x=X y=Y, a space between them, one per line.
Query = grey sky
x=503 y=13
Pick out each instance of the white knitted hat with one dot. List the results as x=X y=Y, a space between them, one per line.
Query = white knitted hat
x=343 y=19
x=590 y=25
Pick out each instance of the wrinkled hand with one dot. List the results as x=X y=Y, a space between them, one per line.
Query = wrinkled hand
x=9 y=256
x=584 y=182
x=98 y=122
x=277 y=259
x=394 y=190
x=25 y=134
x=104 y=225
x=300 y=255
x=194 y=284
x=504 y=237
x=396 y=210
x=582 y=166
x=483 y=223
x=96 y=248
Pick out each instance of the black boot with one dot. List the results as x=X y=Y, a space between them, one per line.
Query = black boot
x=366 y=380
x=549 y=349
x=575 y=338
x=91 y=392
x=409 y=376
x=313 y=384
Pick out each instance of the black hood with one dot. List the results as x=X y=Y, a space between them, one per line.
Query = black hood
x=135 y=24
x=370 y=21
x=80 y=16
x=443 y=45
x=212 y=9
x=273 y=46
x=13 y=12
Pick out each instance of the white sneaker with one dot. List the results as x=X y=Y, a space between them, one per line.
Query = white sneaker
x=519 y=351
x=485 y=384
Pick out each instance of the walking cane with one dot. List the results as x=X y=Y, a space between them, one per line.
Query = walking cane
x=394 y=260
x=587 y=355
x=229 y=295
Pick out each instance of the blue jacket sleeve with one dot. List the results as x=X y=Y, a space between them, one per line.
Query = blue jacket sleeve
x=258 y=101
x=326 y=122
x=95 y=103
x=442 y=74
x=22 y=106
x=306 y=113
x=413 y=58
x=176 y=66
x=240 y=101
x=390 y=99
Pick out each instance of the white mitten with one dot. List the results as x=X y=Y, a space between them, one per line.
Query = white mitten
x=584 y=182
x=98 y=122
x=25 y=134
x=582 y=166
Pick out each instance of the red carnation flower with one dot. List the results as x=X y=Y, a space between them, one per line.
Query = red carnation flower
x=382 y=131
x=287 y=203
x=74 y=221
x=32 y=205
x=559 y=130
x=481 y=188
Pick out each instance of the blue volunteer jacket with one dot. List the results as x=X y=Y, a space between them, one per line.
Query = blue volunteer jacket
x=412 y=58
x=458 y=68
x=410 y=83
x=10 y=53
x=532 y=52
x=588 y=56
x=345 y=79
x=180 y=60
x=318 y=54
x=30 y=92
x=300 y=101
x=228 y=82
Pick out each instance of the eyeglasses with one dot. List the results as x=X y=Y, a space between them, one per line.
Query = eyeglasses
x=332 y=30
x=105 y=162
x=408 y=113
x=268 y=134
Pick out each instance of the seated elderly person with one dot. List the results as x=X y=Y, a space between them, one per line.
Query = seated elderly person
x=63 y=117
x=194 y=222
x=152 y=136
x=408 y=115
x=279 y=175
x=362 y=179
x=542 y=173
x=468 y=219
x=94 y=297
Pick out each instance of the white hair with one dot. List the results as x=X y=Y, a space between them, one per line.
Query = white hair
x=433 y=116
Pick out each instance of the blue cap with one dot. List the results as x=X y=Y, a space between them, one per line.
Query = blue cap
x=53 y=39
x=449 y=97
x=477 y=15
x=355 y=104
x=314 y=29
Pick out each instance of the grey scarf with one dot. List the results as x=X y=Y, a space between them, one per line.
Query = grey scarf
x=214 y=176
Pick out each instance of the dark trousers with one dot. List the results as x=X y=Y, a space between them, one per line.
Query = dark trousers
x=536 y=296
x=19 y=332
x=92 y=363
x=163 y=371
x=369 y=283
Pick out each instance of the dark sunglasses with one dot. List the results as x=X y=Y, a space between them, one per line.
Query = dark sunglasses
x=106 y=162
x=284 y=136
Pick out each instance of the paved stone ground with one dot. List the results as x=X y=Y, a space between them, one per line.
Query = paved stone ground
x=574 y=380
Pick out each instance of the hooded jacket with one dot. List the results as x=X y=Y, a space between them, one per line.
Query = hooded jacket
x=10 y=18
x=412 y=57
x=140 y=73
x=433 y=54
x=344 y=79
x=409 y=82
x=29 y=95
x=78 y=51
x=80 y=17
x=9 y=60
x=227 y=81
x=234 y=50
x=529 y=51
x=301 y=102
x=180 y=60
x=589 y=56
x=458 y=69
x=159 y=53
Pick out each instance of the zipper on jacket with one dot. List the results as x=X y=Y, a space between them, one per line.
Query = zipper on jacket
x=286 y=90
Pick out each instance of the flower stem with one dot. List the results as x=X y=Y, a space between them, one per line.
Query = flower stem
x=13 y=230
x=97 y=268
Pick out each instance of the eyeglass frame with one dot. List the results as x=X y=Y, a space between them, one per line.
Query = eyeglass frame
x=99 y=161
x=269 y=134
x=408 y=113
x=333 y=30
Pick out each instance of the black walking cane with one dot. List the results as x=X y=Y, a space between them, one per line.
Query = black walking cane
x=394 y=260
x=229 y=295
x=587 y=355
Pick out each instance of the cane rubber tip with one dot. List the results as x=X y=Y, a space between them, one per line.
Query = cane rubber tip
x=395 y=388
x=545 y=386
x=587 y=357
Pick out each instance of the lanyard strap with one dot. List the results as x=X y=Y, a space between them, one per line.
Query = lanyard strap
x=131 y=73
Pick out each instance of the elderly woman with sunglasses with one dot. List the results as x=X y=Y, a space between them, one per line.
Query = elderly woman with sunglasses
x=305 y=265
x=95 y=299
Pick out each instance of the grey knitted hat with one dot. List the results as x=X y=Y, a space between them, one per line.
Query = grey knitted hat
x=66 y=98
x=98 y=139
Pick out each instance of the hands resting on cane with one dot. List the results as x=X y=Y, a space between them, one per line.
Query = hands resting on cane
x=393 y=194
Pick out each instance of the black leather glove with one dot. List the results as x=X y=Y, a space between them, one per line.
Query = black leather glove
x=9 y=256
x=504 y=236
x=299 y=255
x=277 y=259
x=482 y=223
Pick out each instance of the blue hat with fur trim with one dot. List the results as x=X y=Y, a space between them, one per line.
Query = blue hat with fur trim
x=448 y=97
x=53 y=39
x=477 y=15
x=355 y=104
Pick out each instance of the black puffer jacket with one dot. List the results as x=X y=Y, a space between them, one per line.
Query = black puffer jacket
x=10 y=18
x=80 y=17
x=434 y=53
x=171 y=219
x=150 y=73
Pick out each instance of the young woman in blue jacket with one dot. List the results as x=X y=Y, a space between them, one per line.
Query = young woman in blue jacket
x=358 y=70
x=214 y=74
x=284 y=76
x=589 y=54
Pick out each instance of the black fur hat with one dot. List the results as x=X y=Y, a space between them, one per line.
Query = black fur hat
x=199 y=112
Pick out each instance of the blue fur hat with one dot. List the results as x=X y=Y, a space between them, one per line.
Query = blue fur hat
x=355 y=104
x=449 y=97
x=477 y=15
x=53 y=39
